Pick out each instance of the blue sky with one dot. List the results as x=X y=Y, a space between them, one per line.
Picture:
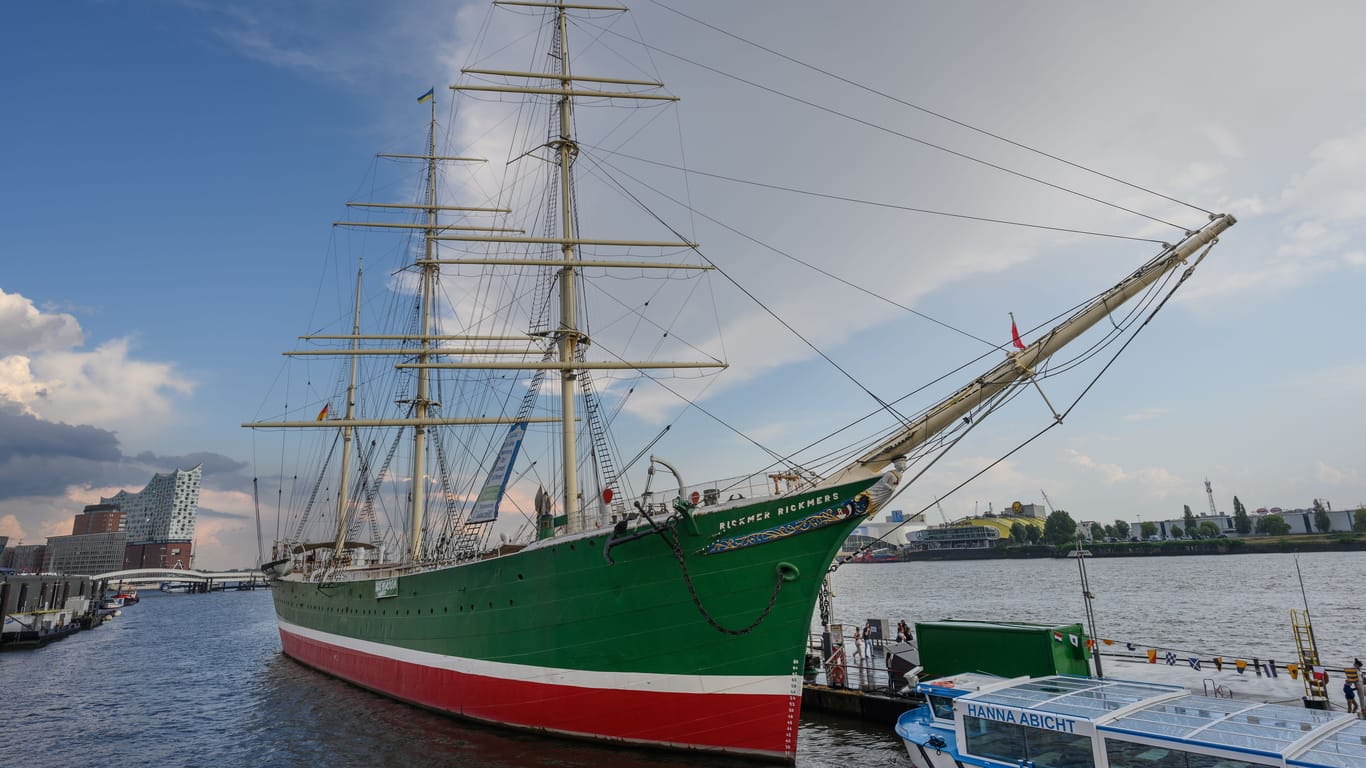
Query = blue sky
x=172 y=169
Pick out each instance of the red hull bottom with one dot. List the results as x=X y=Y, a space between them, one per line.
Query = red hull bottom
x=748 y=724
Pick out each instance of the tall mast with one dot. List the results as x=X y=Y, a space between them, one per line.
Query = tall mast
x=1020 y=365
x=344 y=493
x=563 y=86
x=421 y=405
x=568 y=334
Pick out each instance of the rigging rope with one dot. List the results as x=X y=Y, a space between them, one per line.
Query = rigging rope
x=930 y=112
x=874 y=203
x=1056 y=422
x=883 y=404
x=906 y=136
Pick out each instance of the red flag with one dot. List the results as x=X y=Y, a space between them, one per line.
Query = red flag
x=1015 y=334
x=323 y=413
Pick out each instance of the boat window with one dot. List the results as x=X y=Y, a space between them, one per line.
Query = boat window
x=993 y=739
x=1124 y=754
x=1043 y=748
x=1055 y=749
x=942 y=706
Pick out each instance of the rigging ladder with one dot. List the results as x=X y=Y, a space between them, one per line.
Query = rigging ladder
x=601 y=450
x=1314 y=686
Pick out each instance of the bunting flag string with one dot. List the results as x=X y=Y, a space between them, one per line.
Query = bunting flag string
x=1171 y=656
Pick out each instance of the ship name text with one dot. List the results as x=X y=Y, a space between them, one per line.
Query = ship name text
x=1019 y=717
x=780 y=510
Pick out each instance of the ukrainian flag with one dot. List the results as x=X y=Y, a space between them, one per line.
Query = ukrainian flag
x=426 y=97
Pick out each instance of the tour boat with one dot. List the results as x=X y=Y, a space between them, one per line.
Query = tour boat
x=1065 y=721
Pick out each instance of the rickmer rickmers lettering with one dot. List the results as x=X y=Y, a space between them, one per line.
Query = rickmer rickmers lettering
x=655 y=616
x=780 y=510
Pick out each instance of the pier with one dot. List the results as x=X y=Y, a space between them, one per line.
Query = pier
x=41 y=608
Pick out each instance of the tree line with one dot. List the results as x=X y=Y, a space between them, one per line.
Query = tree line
x=1059 y=527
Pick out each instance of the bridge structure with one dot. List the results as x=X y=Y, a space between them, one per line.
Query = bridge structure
x=203 y=579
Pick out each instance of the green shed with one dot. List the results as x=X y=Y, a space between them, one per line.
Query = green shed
x=1008 y=649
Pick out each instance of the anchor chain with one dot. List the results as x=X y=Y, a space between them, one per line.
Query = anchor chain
x=668 y=533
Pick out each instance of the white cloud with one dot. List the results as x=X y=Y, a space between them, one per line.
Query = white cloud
x=24 y=329
x=1343 y=383
x=104 y=387
x=1111 y=473
x=11 y=527
x=55 y=381
x=1148 y=481
x=1161 y=483
x=1223 y=139
x=1334 y=185
x=1337 y=476
x=1314 y=218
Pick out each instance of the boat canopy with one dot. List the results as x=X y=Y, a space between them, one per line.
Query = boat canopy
x=1345 y=748
x=1149 y=718
x=1078 y=697
x=1265 y=729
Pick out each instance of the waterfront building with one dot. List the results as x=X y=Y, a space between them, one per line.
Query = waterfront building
x=98 y=518
x=1301 y=521
x=164 y=510
x=1020 y=509
x=896 y=529
x=85 y=554
x=158 y=554
x=24 y=558
x=957 y=537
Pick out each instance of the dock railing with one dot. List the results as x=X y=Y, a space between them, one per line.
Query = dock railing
x=863 y=669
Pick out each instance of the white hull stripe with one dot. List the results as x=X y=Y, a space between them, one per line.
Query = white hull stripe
x=768 y=685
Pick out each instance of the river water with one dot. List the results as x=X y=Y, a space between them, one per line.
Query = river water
x=198 y=680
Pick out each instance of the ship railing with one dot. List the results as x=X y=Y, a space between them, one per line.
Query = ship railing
x=853 y=670
x=715 y=492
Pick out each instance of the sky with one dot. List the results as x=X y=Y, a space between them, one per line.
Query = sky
x=172 y=169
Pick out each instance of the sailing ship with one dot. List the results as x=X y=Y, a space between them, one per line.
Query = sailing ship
x=678 y=619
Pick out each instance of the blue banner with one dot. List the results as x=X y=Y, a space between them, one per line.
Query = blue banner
x=486 y=506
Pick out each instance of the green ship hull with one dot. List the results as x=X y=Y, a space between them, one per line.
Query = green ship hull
x=691 y=636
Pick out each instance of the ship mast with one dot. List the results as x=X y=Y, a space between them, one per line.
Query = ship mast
x=344 y=492
x=1020 y=364
x=569 y=338
x=568 y=333
x=563 y=86
x=421 y=403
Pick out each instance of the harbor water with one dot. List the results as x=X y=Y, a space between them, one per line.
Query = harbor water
x=198 y=680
